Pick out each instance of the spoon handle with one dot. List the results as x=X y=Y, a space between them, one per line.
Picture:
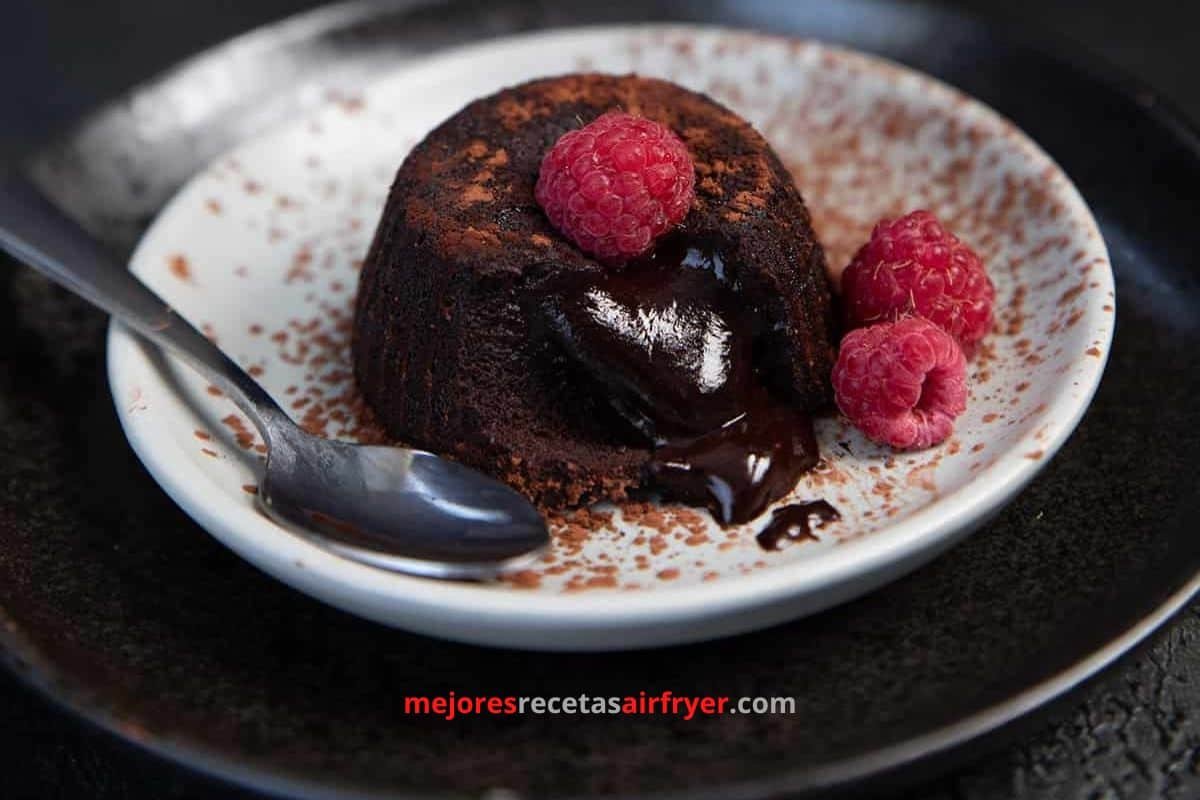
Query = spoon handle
x=35 y=232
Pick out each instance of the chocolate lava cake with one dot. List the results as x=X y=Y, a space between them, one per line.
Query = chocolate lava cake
x=452 y=349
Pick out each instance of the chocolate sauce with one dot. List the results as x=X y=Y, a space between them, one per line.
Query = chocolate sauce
x=665 y=335
x=795 y=522
x=671 y=341
x=738 y=469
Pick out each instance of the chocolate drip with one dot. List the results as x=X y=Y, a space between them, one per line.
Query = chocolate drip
x=740 y=468
x=671 y=341
x=795 y=522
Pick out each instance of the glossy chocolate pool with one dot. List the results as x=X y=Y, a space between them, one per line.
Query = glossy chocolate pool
x=670 y=340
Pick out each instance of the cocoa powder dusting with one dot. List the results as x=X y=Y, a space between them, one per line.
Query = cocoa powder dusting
x=180 y=267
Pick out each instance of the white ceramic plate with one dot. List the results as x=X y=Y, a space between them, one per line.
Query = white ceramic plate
x=262 y=249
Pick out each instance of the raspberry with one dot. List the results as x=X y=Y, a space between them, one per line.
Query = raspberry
x=616 y=185
x=912 y=265
x=901 y=383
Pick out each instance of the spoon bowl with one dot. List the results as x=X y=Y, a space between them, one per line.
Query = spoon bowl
x=350 y=499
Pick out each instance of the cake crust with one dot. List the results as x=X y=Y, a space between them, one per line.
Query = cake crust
x=445 y=351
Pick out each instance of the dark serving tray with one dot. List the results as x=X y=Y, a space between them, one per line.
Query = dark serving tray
x=119 y=607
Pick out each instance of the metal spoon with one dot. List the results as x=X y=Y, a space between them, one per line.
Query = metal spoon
x=397 y=509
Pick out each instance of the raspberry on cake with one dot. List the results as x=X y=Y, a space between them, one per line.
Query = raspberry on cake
x=913 y=265
x=483 y=333
x=901 y=383
x=616 y=184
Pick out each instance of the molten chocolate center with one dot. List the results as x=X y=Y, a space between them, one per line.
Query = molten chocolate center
x=664 y=336
x=671 y=340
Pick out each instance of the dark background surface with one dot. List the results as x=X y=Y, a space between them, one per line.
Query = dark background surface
x=1136 y=733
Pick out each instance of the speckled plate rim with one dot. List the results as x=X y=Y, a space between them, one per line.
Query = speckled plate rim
x=665 y=616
